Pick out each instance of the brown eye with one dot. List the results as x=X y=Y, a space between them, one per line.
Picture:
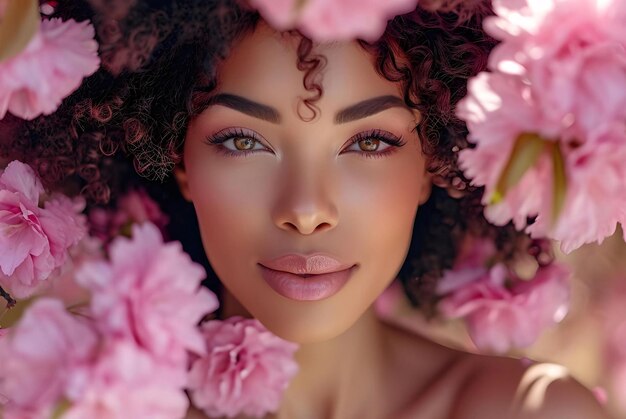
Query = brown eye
x=369 y=144
x=243 y=143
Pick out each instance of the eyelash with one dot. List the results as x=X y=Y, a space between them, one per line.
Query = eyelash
x=228 y=134
x=221 y=137
x=384 y=136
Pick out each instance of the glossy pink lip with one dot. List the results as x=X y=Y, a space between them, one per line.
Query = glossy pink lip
x=306 y=278
x=298 y=264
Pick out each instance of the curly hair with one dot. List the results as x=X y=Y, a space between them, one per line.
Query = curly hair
x=140 y=102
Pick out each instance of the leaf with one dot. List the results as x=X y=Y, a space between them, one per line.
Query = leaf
x=18 y=26
x=526 y=151
x=60 y=409
x=559 y=187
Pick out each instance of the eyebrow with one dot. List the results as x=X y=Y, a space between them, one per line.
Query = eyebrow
x=354 y=112
x=367 y=108
x=247 y=106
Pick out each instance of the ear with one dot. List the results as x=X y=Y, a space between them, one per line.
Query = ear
x=427 y=187
x=180 y=173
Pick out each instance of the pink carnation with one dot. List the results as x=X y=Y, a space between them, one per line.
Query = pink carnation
x=33 y=241
x=126 y=382
x=135 y=206
x=497 y=110
x=559 y=73
x=50 y=68
x=149 y=292
x=246 y=369
x=572 y=53
x=596 y=194
x=500 y=317
x=333 y=20
x=63 y=284
x=38 y=355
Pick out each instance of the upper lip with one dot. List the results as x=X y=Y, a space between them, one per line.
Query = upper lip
x=313 y=264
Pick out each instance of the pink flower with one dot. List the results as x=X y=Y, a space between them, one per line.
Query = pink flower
x=497 y=110
x=500 y=316
x=33 y=241
x=50 y=68
x=332 y=20
x=572 y=53
x=126 y=382
x=560 y=75
x=596 y=196
x=38 y=355
x=135 y=206
x=149 y=292
x=246 y=369
x=62 y=285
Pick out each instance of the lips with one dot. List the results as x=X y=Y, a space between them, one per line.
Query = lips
x=306 y=278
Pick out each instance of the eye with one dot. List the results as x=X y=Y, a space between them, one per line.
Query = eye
x=237 y=142
x=375 y=143
x=240 y=143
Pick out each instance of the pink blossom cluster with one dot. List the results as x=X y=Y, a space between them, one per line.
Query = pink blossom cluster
x=246 y=369
x=549 y=119
x=34 y=239
x=333 y=20
x=50 y=68
x=135 y=206
x=501 y=310
x=127 y=355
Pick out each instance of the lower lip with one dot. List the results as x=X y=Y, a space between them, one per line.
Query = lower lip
x=312 y=288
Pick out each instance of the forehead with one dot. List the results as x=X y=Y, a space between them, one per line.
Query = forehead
x=263 y=67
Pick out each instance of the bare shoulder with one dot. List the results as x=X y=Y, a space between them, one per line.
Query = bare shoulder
x=498 y=386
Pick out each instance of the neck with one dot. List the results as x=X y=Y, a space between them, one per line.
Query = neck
x=335 y=375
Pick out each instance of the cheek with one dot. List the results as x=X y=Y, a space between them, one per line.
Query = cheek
x=382 y=204
x=230 y=206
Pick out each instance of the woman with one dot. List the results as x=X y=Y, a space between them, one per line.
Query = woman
x=318 y=174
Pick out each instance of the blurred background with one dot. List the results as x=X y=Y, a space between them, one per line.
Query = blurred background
x=590 y=341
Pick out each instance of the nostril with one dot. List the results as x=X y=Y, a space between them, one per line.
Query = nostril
x=304 y=230
x=323 y=226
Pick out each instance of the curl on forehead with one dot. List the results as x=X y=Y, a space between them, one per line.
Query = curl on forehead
x=252 y=45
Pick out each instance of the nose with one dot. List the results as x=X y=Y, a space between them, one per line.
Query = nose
x=305 y=202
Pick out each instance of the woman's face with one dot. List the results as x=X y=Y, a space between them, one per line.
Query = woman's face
x=265 y=183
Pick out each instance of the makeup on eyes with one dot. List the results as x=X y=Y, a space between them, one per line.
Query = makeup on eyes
x=218 y=140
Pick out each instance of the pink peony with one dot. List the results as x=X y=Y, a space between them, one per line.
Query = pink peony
x=126 y=382
x=51 y=67
x=33 y=241
x=38 y=355
x=149 y=292
x=246 y=369
x=502 y=312
x=333 y=20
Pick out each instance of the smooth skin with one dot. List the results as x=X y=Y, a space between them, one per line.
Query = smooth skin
x=280 y=183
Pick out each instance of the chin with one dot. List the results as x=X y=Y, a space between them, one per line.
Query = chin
x=307 y=322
